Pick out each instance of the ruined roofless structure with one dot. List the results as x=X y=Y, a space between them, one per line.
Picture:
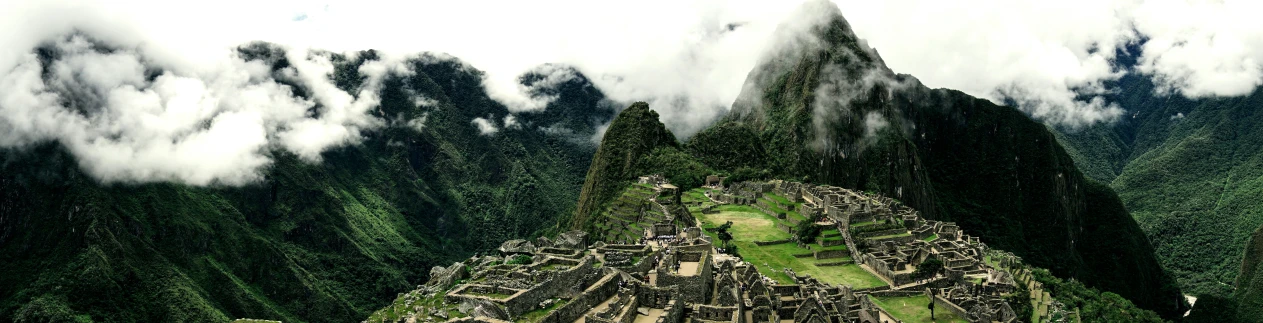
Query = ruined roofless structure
x=678 y=274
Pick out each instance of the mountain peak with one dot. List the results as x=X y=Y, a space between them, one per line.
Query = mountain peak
x=634 y=133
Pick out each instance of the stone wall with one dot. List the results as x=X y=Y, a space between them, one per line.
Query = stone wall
x=557 y=285
x=674 y=314
x=830 y=242
x=599 y=292
x=898 y=293
x=716 y=313
x=646 y=263
x=832 y=254
x=880 y=233
x=477 y=291
x=693 y=289
x=897 y=240
x=769 y=243
x=939 y=302
x=561 y=252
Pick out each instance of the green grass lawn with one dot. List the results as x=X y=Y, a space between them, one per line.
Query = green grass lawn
x=748 y=224
x=780 y=256
x=935 y=236
x=861 y=224
x=778 y=198
x=777 y=257
x=914 y=309
x=693 y=195
x=837 y=247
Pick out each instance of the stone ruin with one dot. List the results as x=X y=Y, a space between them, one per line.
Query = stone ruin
x=683 y=278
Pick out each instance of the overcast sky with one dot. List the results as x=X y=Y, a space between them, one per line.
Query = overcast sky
x=211 y=117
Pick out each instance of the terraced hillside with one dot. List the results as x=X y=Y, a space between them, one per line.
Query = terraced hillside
x=626 y=217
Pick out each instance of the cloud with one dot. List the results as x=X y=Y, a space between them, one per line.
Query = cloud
x=127 y=119
x=1042 y=55
x=1203 y=48
x=486 y=127
x=172 y=83
x=510 y=122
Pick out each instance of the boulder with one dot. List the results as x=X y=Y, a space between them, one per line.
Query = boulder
x=445 y=277
x=517 y=246
x=572 y=240
x=486 y=309
x=543 y=242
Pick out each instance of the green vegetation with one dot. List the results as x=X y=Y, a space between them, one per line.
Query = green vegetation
x=1190 y=171
x=1249 y=285
x=991 y=169
x=750 y=224
x=770 y=260
x=622 y=218
x=915 y=309
x=635 y=134
x=930 y=267
x=405 y=303
x=721 y=232
x=519 y=260
x=897 y=235
x=807 y=231
x=1093 y=305
x=321 y=242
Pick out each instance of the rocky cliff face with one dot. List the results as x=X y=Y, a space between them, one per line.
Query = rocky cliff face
x=827 y=110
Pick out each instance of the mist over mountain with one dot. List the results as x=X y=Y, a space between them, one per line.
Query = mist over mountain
x=307 y=162
x=325 y=237
x=830 y=111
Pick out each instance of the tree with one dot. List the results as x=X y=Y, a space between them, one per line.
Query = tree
x=722 y=232
x=931 y=306
x=807 y=231
x=928 y=268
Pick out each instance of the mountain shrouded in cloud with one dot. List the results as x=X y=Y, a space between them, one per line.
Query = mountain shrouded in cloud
x=127 y=120
x=170 y=96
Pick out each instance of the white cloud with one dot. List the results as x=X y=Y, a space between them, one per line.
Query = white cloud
x=510 y=122
x=486 y=127
x=1037 y=53
x=1203 y=48
x=688 y=59
x=210 y=125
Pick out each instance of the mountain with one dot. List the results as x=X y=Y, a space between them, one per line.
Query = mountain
x=826 y=109
x=319 y=242
x=1189 y=170
x=1249 y=284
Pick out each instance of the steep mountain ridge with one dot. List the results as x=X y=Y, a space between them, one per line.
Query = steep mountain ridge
x=1249 y=284
x=635 y=144
x=1189 y=170
x=827 y=110
x=326 y=242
